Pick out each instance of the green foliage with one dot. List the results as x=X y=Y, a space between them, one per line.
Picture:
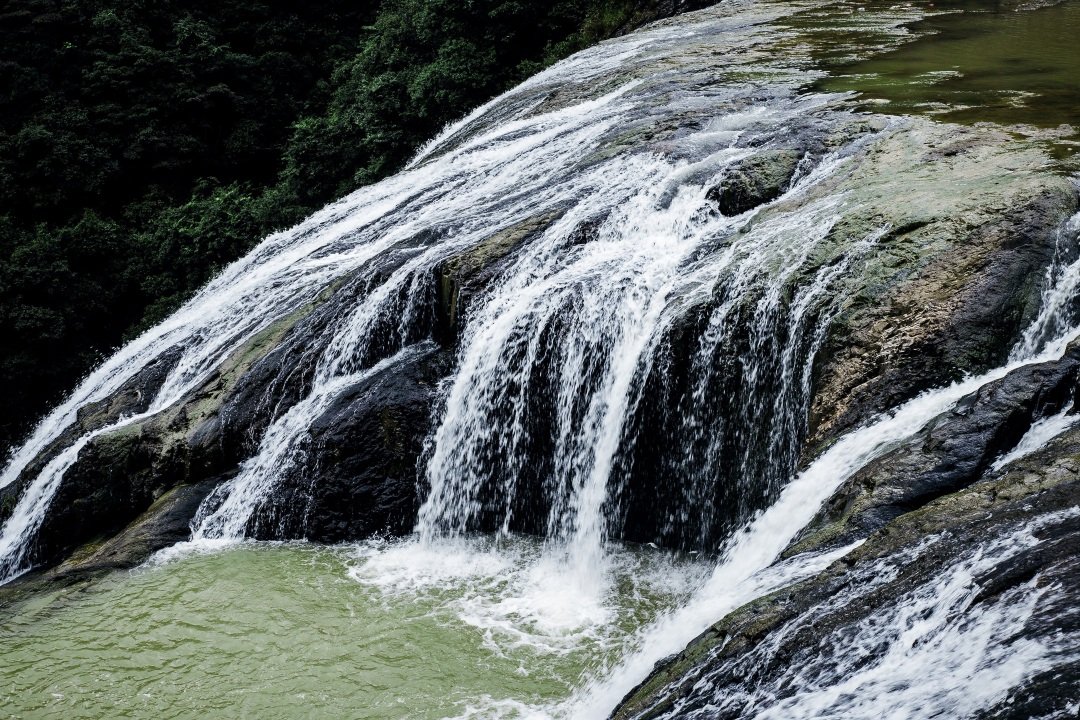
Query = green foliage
x=128 y=132
x=145 y=145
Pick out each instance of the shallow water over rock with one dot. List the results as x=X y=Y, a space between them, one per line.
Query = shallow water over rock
x=979 y=62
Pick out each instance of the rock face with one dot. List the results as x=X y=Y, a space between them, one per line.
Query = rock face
x=955 y=273
x=849 y=622
x=949 y=454
x=360 y=479
x=860 y=260
x=958 y=279
x=936 y=514
x=121 y=474
x=756 y=181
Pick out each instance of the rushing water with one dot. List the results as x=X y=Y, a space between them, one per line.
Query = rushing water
x=579 y=322
x=489 y=627
x=541 y=424
x=940 y=648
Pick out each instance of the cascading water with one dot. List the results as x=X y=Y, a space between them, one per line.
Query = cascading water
x=509 y=168
x=638 y=364
x=610 y=302
x=556 y=360
x=737 y=579
x=933 y=651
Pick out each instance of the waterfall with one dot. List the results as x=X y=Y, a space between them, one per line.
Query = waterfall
x=492 y=182
x=612 y=302
x=568 y=335
x=746 y=570
x=524 y=155
x=931 y=662
x=637 y=365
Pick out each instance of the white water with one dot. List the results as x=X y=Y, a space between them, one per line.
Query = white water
x=1041 y=432
x=286 y=271
x=1057 y=313
x=754 y=549
x=235 y=500
x=658 y=253
x=934 y=652
x=30 y=511
x=612 y=301
x=493 y=181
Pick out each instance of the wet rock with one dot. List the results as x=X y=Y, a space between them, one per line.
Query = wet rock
x=359 y=477
x=462 y=276
x=120 y=474
x=928 y=507
x=279 y=375
x=957 y=275
x=949 y=277
x=282 y=372
x=755 y=181
x=816 y=632
x=950 y=453
x=165 y=523
x=117 y=477
x=132 y=398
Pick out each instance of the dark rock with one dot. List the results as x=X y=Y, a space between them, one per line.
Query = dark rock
x=950 y=453
x=460 y=278
x=749 y=659
x=755 y=181
x=132 y=398
x=925 y=506
x=165 y=523
x=120 y=474
x=359 y=476
x=117 y=477
x=362 y=470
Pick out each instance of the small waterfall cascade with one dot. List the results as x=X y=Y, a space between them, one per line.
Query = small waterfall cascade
x=934 y=650
x=488 y=172
x=748 y=567
x=578 y=332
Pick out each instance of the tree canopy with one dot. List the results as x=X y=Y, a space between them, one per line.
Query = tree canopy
x=146 y=144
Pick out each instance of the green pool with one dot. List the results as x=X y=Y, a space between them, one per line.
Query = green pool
x=299 y=631
x=990 y=63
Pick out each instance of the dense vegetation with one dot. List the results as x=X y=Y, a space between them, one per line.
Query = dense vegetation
x=144 y=144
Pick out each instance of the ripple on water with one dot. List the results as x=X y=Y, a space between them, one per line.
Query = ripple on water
x=474 y=628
